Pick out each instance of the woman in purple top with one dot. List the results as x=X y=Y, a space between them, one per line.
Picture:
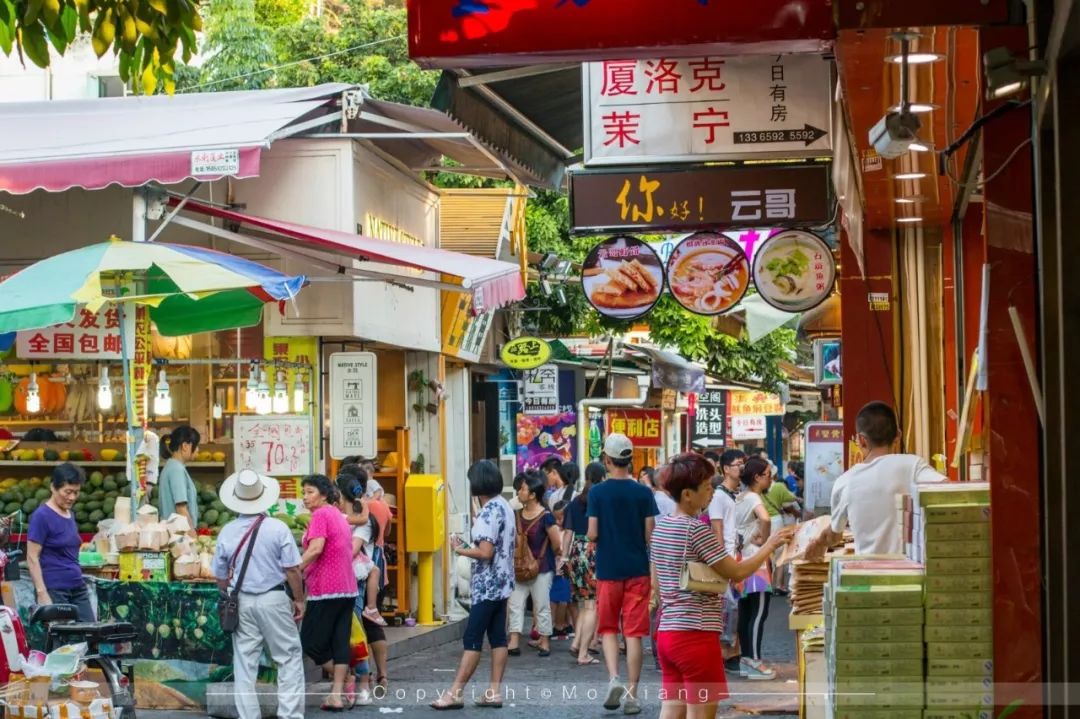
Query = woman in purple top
x=53 y=545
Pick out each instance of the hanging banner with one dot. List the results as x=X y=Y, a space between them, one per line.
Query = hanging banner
x=540 y=391
x=463 y=334
x=141 y=371
x=824 y=462
x=622 y=277
x=682 y=199
x=794 y=271
x=476 y=33
x=750 y=426
x=695 y=109
x=353 y=404
x=708 y=419
x=525 y=353
x=88 y=336
x=708 y=273
x=641 y=426
x=751 y=403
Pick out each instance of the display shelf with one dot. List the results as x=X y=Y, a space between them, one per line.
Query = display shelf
x=398 y=586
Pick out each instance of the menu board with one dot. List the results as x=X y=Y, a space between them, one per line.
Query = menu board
x=824 y=462
x=274 y=445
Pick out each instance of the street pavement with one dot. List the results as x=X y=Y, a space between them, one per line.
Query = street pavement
x=555 y=687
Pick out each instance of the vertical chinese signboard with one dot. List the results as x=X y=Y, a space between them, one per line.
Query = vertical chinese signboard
x=141 y=377
x=641 y=426
x=540 y=391
x=463 y=333
x=708 y=425
x=353 y=404
x=824 y=462
x=671 y=109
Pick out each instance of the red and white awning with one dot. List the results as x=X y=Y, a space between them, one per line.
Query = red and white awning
x=131 y=141
x=491 y=283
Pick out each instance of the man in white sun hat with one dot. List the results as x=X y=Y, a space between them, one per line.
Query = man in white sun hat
x=267 y=615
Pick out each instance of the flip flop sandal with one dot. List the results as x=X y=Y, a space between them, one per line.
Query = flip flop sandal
x=485 y=703
x=588 y=662
x=515 y=652
x=454 y=706
x=544 y=653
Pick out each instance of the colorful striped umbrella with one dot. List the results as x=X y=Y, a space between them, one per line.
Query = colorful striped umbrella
x=188 y=289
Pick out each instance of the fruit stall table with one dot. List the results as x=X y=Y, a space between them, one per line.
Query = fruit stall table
x=180 y=647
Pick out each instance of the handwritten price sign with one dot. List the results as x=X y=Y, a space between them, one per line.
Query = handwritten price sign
x=276 y=446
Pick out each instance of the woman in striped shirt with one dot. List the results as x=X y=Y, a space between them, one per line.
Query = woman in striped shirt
x=688 y=640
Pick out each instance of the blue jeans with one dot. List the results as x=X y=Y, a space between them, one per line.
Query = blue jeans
x=80 y=597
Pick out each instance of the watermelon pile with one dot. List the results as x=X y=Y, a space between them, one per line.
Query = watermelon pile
x=96 y=502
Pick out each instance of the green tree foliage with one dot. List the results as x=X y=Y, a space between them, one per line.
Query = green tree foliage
x=146 y=35
x=237 y=48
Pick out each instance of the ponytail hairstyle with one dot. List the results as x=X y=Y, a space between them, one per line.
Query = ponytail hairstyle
x=754 y=468
x=171 y=443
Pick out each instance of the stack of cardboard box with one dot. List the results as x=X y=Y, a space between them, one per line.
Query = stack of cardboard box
x=874 y=629
x=951 y=536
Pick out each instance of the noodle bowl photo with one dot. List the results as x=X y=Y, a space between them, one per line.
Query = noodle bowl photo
x=708 y=273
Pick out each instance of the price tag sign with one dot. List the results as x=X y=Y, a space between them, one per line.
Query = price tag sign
x=275 y=445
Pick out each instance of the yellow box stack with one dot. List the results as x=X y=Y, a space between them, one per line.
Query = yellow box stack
x=951 y=536
x=874 y=639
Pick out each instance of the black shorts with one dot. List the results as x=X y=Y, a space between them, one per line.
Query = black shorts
x=326 y=632
x=373 y=631
x=486 y=617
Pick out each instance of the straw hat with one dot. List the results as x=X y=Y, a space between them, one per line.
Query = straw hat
x=248 y=492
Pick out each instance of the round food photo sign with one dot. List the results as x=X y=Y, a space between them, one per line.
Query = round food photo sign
x=794 y=271
x=623 y=278
x=708 y=273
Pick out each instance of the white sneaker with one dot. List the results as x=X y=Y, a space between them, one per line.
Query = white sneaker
x=631 y=706
x=363 y=698
x=615 y=693
x=756 y=670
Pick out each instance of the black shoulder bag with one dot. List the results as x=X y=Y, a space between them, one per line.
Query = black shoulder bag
x=229 y=602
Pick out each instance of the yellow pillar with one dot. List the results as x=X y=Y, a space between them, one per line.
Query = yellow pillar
x=425 y=580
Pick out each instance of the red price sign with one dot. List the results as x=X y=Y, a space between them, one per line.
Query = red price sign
x=277 y=446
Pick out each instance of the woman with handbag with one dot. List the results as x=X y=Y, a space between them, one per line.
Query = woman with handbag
x=691 y=570
x=538 y=541
x=754 y=528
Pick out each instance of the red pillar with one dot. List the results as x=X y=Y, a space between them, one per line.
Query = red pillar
x=1013 y=432
x=868 y=347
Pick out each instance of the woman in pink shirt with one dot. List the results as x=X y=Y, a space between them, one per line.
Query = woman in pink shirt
x=331 y=586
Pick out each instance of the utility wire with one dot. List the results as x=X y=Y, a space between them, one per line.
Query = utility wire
x=292 y=63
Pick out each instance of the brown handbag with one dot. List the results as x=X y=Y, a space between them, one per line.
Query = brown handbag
x=526 y=565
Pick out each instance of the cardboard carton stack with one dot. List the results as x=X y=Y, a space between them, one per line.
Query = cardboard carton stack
x=951 y=535
x=874 y=635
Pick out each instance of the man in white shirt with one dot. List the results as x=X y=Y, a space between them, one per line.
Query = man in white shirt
x=722 y=519
x=865 y=497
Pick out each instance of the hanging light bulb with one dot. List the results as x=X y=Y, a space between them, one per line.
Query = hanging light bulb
x=299 y=405
x=33 y=395
x=104 y=390
x=281 y=395
x=162 y=399
x=251 y=396
x=215 y=411
x=263 y=403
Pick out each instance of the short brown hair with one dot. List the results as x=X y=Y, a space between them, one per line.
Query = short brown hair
x=685 y=471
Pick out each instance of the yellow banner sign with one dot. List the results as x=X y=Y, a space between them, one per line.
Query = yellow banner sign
x=742 y=404
x=463 y=334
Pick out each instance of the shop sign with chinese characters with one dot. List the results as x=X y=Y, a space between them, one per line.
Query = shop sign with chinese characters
x=540 y=390
x=641 y=426
x=699 y=197
x=708 y=421
x=87 y=336
x=672 y=109
x=755 y=403
x=750 y=426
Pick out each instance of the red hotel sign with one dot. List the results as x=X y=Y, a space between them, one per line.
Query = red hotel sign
x=474 y=33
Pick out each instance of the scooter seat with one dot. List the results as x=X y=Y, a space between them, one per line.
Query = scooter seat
x=96 y=631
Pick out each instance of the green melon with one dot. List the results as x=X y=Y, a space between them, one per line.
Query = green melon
x=6 y=396
x=208 y=497
x=96 y=516
x=217 y=504
x=81 y=517
x=50 y=455
x=211 y=517
x=110 y=485
x=12 y=507
x=41 y=495
x=93 y=505
x=87 y=528
x=109 y=506
x=29 y=505
x=96 y=479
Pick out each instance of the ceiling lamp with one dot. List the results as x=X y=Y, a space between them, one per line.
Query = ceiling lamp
x=33 y=395
x=299 y=403
x=251 y=394
x=919 y=108
x=919 y=147
x=909 y=200
x=915 y=58
x=909 y=219
x=216 y=411
x=281 y=395
x=162 y=399
x=263 y=402
x=1006 y=74
x=910 y=176
x=104 y=391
